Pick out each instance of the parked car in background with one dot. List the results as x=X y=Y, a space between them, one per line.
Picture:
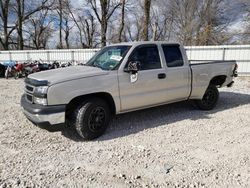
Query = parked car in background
x=122 y=78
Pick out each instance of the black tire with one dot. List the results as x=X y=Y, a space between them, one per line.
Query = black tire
x=2 y=70
x=209 y=100
x=91 y=118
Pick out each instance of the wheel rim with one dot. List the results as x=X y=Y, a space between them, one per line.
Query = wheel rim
x=209 y=98
x=96 y=119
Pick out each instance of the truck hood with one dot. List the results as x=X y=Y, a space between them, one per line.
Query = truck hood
x=69 y=73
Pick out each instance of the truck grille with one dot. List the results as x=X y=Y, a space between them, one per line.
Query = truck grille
x=29 y=93
x=29 y=88
x=29 y=98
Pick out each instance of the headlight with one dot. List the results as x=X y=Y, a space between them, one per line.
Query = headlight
x=41 y=90
x=40 y=95
x=42 y=101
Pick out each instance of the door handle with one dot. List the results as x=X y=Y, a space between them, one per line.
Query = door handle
x=161 y=75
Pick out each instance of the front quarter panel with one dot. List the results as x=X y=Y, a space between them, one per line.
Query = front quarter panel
x=64 y=92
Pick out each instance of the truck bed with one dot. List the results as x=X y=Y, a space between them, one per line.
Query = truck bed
x=202 y=73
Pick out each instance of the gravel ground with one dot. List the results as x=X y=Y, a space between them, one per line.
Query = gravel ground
x=169 y=146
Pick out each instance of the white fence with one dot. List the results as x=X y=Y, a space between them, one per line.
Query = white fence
x=195 y=53
x=240 y=53
x=81 y=55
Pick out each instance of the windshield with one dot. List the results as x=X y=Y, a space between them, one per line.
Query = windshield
x=109 y=58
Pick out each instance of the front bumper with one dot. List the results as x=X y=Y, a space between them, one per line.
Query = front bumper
x=40 y=114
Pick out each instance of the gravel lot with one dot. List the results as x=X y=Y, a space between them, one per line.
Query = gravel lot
x=170 y=146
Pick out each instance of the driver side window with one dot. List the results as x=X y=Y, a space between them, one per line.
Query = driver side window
x=148 y=56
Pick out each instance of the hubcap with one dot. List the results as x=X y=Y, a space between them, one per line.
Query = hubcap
x=96 y=119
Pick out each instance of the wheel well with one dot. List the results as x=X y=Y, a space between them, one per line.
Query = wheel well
x=218 y=80
x=103 y=95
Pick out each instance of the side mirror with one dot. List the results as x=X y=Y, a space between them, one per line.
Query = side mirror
x=133 y=67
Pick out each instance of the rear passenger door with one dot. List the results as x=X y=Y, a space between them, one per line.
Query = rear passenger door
x=178 y=73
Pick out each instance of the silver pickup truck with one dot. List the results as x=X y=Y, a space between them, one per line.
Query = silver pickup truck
x=121 y=78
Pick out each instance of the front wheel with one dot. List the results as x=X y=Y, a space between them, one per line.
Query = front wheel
x=209 y=100
x=91 y=118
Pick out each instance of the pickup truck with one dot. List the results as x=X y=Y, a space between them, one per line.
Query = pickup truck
x=122 y=78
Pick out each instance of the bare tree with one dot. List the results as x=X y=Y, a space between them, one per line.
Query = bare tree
x=86 y=26
x=40 y=29
x=147 y=6
x=67 y=28
x=117 y=31
x=193 y=22
x=184 y=22
x=213 y=24
x=60 y=13
x=246 y=33
x=122 y=20
x=24 y=12
x=89 y=29
x=199 y=22
x=161 y=20
x=5 y=24
x=62 y=7
x=133 y=28
x=66 y=22
x=78 y=25
x=108 y=8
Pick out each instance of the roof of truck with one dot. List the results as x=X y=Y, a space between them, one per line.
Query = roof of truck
x=145 y=42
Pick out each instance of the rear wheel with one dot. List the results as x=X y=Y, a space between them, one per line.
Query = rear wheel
x=91 y=118
x=210 y=98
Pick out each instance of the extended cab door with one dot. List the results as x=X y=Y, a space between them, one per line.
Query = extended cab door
x=178 y=81
x=150 y=88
